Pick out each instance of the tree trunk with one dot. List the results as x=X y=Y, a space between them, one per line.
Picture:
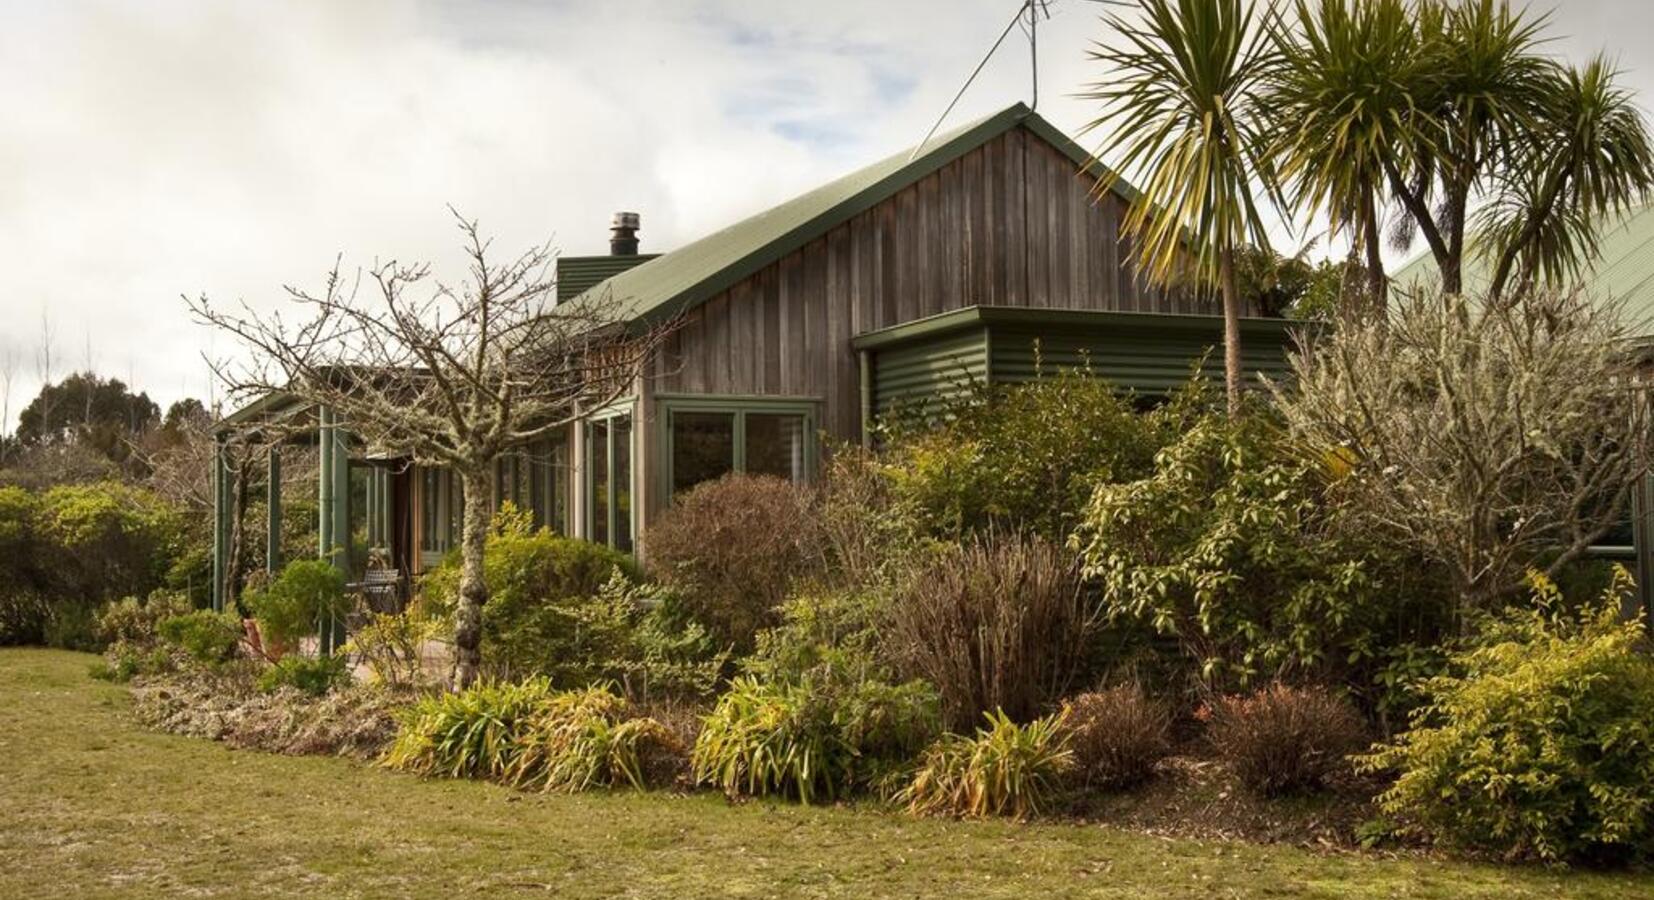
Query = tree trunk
x=1231 y=331
x=473 y=589
x=1378 y=286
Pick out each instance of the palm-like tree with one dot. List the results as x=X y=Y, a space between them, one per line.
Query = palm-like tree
x=1180 y=108
x=1341 y=105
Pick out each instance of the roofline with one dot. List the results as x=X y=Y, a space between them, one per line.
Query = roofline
x=925 y=163
x=273 y=402
x=975 y=316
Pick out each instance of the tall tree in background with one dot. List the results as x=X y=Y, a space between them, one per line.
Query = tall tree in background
x=447 y=375
x=1180 y=108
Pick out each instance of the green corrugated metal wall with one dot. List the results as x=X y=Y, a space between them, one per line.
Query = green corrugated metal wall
x=911 y=378
x=578 y=273
x=1147 y=362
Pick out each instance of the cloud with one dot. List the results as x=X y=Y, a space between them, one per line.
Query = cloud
x=152 y=148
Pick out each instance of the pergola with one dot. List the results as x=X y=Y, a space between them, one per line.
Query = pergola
x=281 y=420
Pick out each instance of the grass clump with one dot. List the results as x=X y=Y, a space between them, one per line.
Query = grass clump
x=1118 y=734
x=474 y=733
x=1005 y=769
x=1285 y=739
x=589 y=738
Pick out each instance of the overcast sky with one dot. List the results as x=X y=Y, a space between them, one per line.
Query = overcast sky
x=151 y=149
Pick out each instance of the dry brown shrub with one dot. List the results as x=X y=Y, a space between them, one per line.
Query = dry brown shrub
x=1000 y=622
x=732 y=547
x=357 y=721
x=1118 y=734
x=1285 y=739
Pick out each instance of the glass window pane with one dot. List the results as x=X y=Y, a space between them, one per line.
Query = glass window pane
x=775 y=445
x=597 y=456
x=621 y=434
x=703 y=447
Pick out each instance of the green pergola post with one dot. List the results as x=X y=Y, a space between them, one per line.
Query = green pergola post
x=334 y=514
x=272 y=547
x=1642 y=537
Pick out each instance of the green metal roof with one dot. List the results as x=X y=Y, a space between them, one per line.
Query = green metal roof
x=693 y=273
x=1623 y=271
x=971 y=316
x=577 y=274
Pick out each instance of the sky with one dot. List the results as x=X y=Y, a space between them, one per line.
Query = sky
x=158 y=148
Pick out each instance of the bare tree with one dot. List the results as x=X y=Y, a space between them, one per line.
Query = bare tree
x=8 y=374
x=1489 y=437
x=43 y=366
x=452 y=375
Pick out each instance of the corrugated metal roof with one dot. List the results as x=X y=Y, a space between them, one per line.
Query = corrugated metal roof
x=1624 y=270
x=576 y=274
x=682 y=278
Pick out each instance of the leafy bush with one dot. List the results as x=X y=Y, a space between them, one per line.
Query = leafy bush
x=133 y=621
x=123 y=661
x=105 y=540
x=207 y=637
x=313 y=675
x=810 y=740
x=1283 y=739
x=833 y=634
x=1538 y=743
x=536 y=581
x=1229 y=547
x=998 y=623
x=474 y=733
x=306 y=595
x=1006 y=769
x=392 y=646
x=732 y=548
x=863 y=534
x=1023 y=456
x=1118 y=734
x=588 y=738
x=23 y=607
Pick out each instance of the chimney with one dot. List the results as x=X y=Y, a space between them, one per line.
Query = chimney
x=623 y=228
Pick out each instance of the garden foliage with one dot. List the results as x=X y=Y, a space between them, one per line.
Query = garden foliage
x=1284 y=739
x=1117 y=734
x=1006 y=769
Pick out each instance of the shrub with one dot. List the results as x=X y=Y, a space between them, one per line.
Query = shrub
x=105 y=540
x=863 y=533
x=313 y=675
x=1538 y=743
x=352 y=721
x=810 y=740
x=133 y=621
x=1023 y=457
x=587 y=738
x=1006 y=769
x=207 y=637
x=392 y=646
x=475 y=733
x=999 y=623
x=23 y=608
x=1284 y=739
x=306 y=595
x=731 y=548
x=124 y=661
x=833 y=634
x=1232 y=547
x=534 y=579
x=1118 y=734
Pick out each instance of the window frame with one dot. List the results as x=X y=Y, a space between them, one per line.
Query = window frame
x=739 y=406
x=625 y=408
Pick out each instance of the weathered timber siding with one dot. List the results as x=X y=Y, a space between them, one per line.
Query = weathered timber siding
x=1011 y=223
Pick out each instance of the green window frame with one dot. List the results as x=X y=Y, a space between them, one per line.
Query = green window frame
x=740 y=409
x=615 y=523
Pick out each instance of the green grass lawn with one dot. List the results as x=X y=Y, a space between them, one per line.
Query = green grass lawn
x=93 y=805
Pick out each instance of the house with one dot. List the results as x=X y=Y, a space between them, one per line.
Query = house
x=984 y=256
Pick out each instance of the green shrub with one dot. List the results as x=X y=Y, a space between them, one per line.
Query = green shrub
x=1006 y=769
x=1285 y=739
x=133 y=621
x=122 y=662
x=313 y=675
x=474 y=733
x=23 y=606
x=1118 y=734
x=1024 y=457
x=834 y=634
x=589 y=738
x=207 y=637
x=732 y=548
x=1230 y=546
x=1538 y=743
x=306 y=595
x=1001 y=622
x=536 y=580
x=809 y=740
x=105 y=540
x=71 y=625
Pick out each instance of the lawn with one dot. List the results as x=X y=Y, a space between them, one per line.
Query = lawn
x=93 y=805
